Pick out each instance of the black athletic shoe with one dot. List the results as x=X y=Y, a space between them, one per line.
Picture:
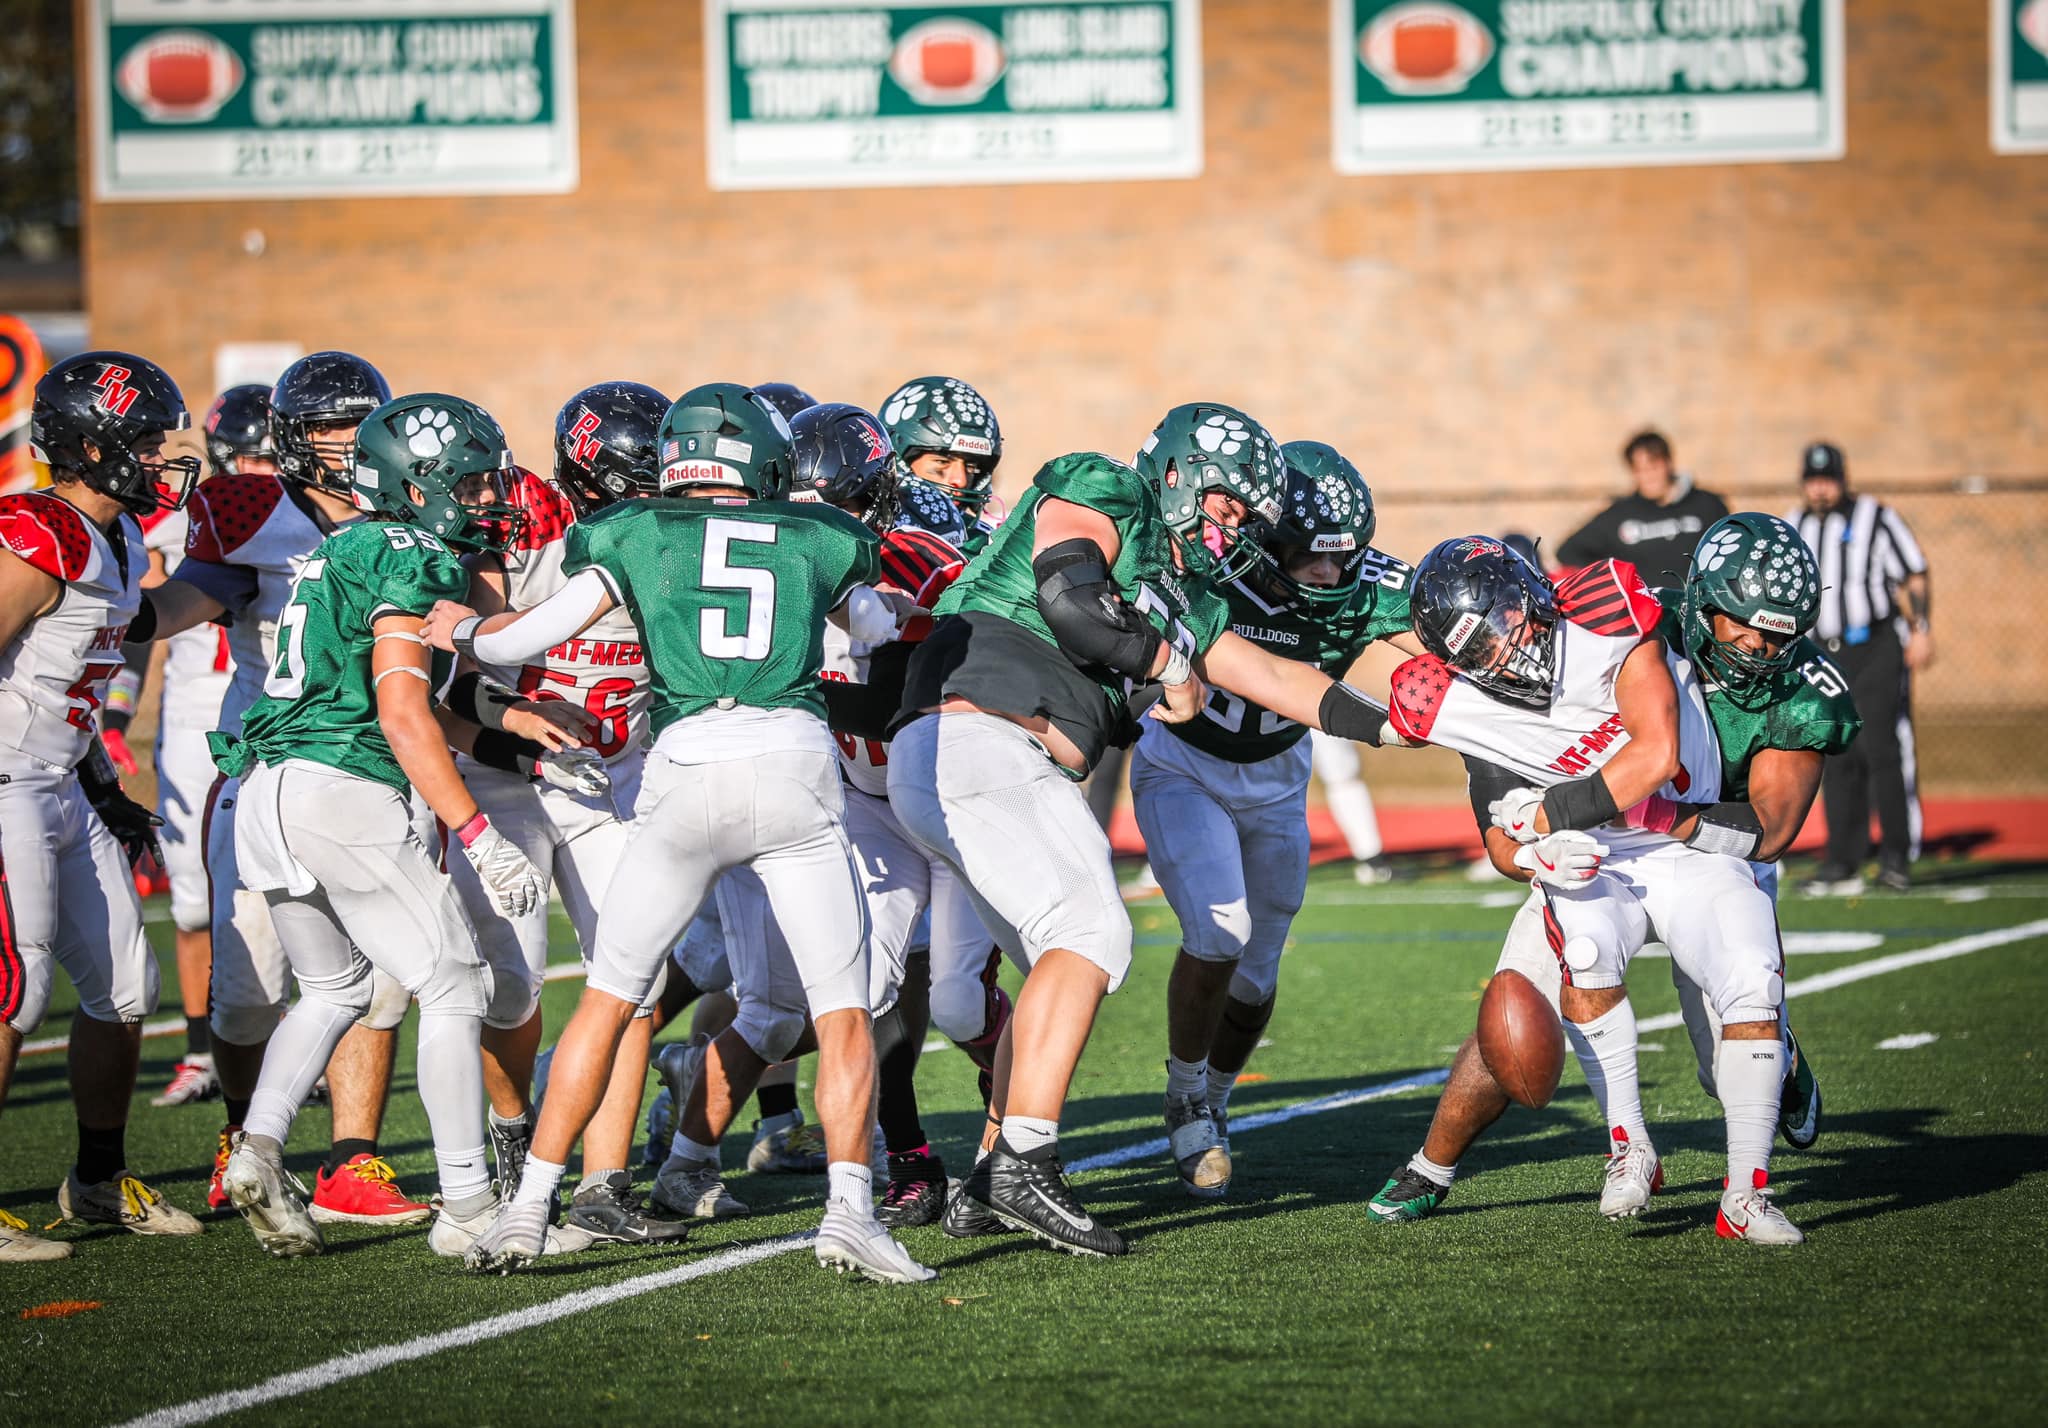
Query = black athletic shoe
x=1032 y=1195
x=607 y=1209
x=916 y=1193
x=510 y=1142
x=966 y=1217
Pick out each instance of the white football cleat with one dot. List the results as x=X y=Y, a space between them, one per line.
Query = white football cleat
x=1634 y=1174
x=1748 y=1214
x=271 y=1200
x=20 y=1245
x=852 y=1241
x=1197 y=1149
x=192 y=1079
x=692 y=1188
x=478 y=1240
x=123 y=1201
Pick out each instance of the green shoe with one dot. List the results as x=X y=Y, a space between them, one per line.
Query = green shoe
x=1799 y=1110
x=1410 y=1195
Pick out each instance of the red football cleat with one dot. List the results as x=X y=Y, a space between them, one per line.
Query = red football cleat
x=365 y=1192
x=216 y=1197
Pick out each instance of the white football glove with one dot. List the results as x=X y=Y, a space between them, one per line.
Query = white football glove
x=1514 y=813
x=578 y=771
x=1567 y=859
x=512 y=878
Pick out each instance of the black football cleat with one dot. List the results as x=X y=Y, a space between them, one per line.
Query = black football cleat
x=916 y=1193
x=1032 y=1195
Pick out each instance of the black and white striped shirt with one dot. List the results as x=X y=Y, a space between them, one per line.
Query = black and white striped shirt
x=1865 y=551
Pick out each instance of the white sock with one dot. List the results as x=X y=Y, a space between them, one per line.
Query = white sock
x=537 y=1182
x=682 y=1147
x=1187 y=1078
x=1606 y=1048
x=1024 y=1134
x=462 y=1173
x=851 y=1183
x=1751 y=1075
x=1221 y=1084
x=1429 y=1170
x=521 y=1119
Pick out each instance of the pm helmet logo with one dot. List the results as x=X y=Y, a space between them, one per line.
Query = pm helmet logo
x=179 y=76
x=947 y=61
x=1425 y=47
x=583 y=442
x=115 y=395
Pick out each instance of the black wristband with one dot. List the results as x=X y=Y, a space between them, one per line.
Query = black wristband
x=496 y=749
x=1580 y=803
x=481 y=700
x=1731 y=828
x=1348 y=714
x=142 y=629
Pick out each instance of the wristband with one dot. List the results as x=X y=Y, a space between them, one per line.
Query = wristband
x=1179 y=669
x=463 y=637
x=1655 y=814
x=1580 y=803
x=1731 y=828
x=469 y=832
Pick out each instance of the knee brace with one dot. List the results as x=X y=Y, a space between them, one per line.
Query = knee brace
x=771 y=1033
x=37 y=973
x=515 y=997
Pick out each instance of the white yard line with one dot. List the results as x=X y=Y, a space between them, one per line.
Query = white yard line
x=358 y=1365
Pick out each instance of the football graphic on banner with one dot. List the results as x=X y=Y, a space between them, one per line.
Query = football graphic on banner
x=179 y=76
x=947 y=61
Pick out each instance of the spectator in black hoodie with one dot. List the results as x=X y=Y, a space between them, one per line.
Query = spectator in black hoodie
x=1657 y=527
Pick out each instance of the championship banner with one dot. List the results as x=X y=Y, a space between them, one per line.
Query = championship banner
x=1431 y=86
x=318 y=98
x=21 y=367
x=870 y=93
x=2019 y=76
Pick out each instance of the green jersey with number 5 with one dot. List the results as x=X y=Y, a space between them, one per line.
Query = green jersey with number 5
x=729 y=594
x=1803 y=706
x=319 y=702
x=1329 y=638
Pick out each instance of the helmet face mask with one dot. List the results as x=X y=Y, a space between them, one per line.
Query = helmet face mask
x=724 y=435
x=102 y=416
x=945 y=416
x=437 y=462
x=1487 y=613
x=1205 y=449
x=1755 y=570
x=315 y=408
x=606 y=440
x=1326 y=510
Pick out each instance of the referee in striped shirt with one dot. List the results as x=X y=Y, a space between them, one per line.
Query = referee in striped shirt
x=1873 y=624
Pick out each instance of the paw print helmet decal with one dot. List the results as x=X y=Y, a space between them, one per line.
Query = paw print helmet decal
x=1203 y=448
x=1326 y=508
x=1755 y=569
x=318 y=393
x=436 y=462
x=944 y=414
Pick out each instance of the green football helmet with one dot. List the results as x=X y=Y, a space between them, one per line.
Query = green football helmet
x=1753 y=568
x=945 y=414
x=414 y=452
x=724 y=434
x=1203 y=447
x=1327 y=507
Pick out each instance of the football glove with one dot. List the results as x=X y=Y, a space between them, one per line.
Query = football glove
x=509 y=874
x=1568 y=859
x=578 y=771
x=1514 y=813
x=119 y=752
x=133 y=826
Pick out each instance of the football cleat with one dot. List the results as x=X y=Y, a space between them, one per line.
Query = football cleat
x=1895 y=880
x=1221 y=1115
x=1634 y=1174
x=216 y=1193
x=1847 y=885
x=1749 y=1215
x=192 y=1079
x=510 y=1142
x=1033 y=1196
x=272 y=1200
x=1799 y=1110
x=691 y=1189
x=1196 y=1148
x=123 y=1201
x=1371 y=872
x=852 y=1241
x=966 y=1217
x=19 y=1245
x=364 y=1192
x=916 y=1192
x=661 y=1128
x=1410 y=1195
x=784 y=1145
x=501 y=1237
x=606 y=1209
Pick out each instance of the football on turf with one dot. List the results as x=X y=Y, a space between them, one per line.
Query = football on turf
x=1521 y=1039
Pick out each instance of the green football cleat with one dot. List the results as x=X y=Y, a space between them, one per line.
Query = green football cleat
x=1410 y=1195
x=1799 y=1111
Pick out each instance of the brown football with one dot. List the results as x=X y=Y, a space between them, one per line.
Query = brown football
x=1521 y=1039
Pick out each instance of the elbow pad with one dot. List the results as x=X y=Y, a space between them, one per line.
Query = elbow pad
x=1091 y=621
x=1731 y=828
x=1580 y=803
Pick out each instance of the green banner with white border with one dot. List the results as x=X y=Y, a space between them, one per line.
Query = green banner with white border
x=1431 y=86
x=2019 y=76
x=306 y=98
x=872 y=93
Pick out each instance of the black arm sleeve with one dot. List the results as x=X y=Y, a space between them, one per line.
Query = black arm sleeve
x=1347 y=714
x=480 y=699
x=1485 y=782
x=1090 y=620
x=496 y=749
x=142 y=629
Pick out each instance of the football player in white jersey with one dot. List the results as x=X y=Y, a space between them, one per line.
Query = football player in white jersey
x=249 y=537
x=568 y=812
x=198 y=668
x=71 y=566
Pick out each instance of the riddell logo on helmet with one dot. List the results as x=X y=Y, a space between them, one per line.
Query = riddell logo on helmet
x=974 y=445
x=949 y=60
x=1425 y=47
x=1342 y=541
x=584 y=445
x=179 y=76
x=115 y=395
x=1461 y=632
x=699 y=473
x=1776 y=623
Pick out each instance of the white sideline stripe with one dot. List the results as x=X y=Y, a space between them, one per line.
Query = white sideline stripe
x=1878 y=966
x=357 y=1365
x=348 y=1366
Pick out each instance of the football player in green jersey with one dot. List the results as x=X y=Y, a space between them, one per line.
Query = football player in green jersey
x=1778 y=708
x=330 y=758
x=1097 y=587
x=947 y=443
x=729 y=585
x=1222 y=799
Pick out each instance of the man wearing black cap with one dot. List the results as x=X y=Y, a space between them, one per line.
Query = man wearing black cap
x=1656 y=527
x=1873 y=624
